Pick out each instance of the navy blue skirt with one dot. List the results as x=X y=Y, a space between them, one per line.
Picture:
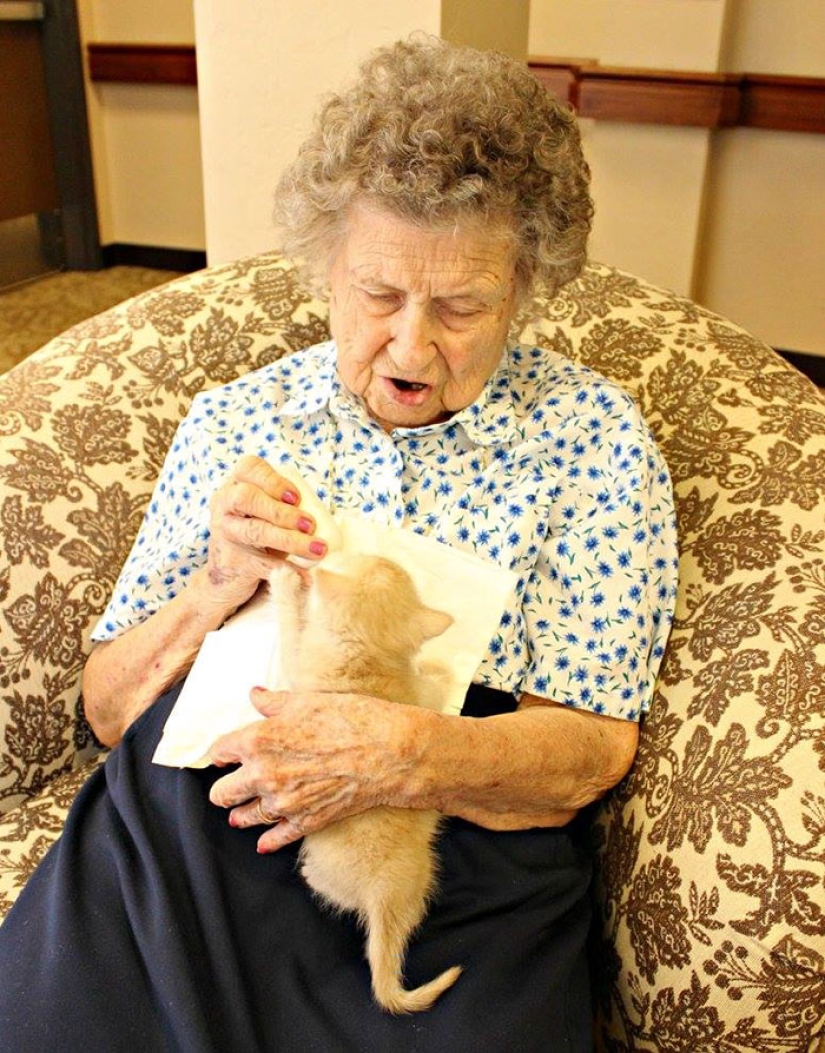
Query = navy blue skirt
x=154 y=925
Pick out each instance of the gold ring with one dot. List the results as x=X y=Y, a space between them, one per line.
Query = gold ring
x=264 y=817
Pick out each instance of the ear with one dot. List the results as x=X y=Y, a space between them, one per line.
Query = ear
x=433 y=623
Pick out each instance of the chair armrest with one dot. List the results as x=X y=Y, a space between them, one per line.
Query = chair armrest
x=28 y=831
x=86 y=422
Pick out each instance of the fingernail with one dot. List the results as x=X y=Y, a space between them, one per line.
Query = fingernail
x=317 y=548
x=289 y=497
x=305 y=525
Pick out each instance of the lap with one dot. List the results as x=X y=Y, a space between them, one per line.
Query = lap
x=154 y=924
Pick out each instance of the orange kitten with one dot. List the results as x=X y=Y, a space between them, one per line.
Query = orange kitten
x=360 y=631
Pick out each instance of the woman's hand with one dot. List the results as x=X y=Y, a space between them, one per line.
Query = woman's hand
x=255 y=521
x=318 y=757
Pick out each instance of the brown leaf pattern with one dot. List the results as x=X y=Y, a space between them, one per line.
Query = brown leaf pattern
x=24 y=533
x=710 y=852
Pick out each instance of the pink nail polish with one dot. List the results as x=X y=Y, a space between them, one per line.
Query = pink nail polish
x=317 y=548
x=305 y=525
x=289 y=497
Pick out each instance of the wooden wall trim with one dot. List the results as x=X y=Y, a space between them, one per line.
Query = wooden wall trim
x=703 y=100
x=605 y=93
x=792 y=104
x=143 y=63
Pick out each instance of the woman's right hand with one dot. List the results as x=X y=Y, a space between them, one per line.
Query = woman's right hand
x=256 y=521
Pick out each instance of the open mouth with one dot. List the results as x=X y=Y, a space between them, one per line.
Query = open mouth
x=407 y=385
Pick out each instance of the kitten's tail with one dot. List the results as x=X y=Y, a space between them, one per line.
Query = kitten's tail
x=385 y=957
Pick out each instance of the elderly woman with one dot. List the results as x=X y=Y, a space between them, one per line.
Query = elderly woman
x=433 y=201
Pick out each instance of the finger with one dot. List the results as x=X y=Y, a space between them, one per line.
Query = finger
x=286 y=832
x=245 y=500
x=233 y=789
x=228 y=749
x=268 y=703
x=261 y=474
x=254 y=813
x=263 y=535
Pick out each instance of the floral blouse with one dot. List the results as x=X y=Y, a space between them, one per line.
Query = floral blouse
x=551 y=473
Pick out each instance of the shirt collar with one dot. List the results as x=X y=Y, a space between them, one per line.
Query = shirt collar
x=315 y=388
x=489 y=420
x=492 y=417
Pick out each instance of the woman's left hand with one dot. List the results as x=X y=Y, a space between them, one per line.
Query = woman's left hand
x=318 y=757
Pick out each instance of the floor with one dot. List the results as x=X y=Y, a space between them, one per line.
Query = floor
x=34 y=312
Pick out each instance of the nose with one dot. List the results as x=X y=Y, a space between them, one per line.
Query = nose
x=413 y=343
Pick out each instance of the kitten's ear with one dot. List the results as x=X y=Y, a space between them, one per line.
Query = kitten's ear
x=434 y=623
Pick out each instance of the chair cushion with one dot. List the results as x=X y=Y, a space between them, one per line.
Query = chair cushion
x=711 y=851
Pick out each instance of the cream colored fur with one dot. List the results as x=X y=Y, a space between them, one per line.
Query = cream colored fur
x=360 y=631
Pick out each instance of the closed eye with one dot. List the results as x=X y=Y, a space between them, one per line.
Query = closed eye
x=385 y=301
x=458 y=316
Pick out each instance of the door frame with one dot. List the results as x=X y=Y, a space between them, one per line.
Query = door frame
x=68 y=118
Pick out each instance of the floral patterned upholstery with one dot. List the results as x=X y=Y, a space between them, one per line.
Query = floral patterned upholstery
x=711 y=851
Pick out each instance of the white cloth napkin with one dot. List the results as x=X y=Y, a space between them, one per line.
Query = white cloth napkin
x=244 y=652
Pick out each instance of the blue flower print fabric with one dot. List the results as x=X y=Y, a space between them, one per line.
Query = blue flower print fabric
x=551 y=473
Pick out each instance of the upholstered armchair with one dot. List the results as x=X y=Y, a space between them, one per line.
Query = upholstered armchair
x=711 y=934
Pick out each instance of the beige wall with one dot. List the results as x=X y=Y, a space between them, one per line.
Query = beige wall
x=648 y=181
x=145 y=138
x=732 y=217
x=479 y=24
x=763 y=259
x=262 y=72
x=665 y=34
x=764 y=36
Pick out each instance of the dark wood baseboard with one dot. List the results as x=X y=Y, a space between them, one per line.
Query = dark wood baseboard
x=813 y=366
x=122 y=254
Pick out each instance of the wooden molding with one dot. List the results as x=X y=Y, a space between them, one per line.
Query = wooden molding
x=143 y=63
x=791 y=104
x=655 y=97
x=604 y=93
x=702 y=100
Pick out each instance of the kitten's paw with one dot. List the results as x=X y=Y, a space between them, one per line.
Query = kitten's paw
x=287 y=582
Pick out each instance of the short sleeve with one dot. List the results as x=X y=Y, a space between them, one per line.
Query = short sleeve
x=173 y=538
x=599 y=605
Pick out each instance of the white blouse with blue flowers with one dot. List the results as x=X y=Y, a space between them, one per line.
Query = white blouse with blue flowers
x=551 y=473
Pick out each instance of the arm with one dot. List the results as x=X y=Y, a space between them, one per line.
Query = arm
x=124 y=676
x=535 y=767
x=319 y=757
x=254 y=522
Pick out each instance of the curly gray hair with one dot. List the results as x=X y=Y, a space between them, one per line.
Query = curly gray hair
x=439 y=134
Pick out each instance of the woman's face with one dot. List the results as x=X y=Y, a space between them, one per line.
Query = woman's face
x=420 y=315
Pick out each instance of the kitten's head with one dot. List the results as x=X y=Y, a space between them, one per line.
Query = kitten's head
x=374 y=598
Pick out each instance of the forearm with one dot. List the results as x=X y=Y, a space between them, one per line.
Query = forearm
x=124 y=676
x=535 y=767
